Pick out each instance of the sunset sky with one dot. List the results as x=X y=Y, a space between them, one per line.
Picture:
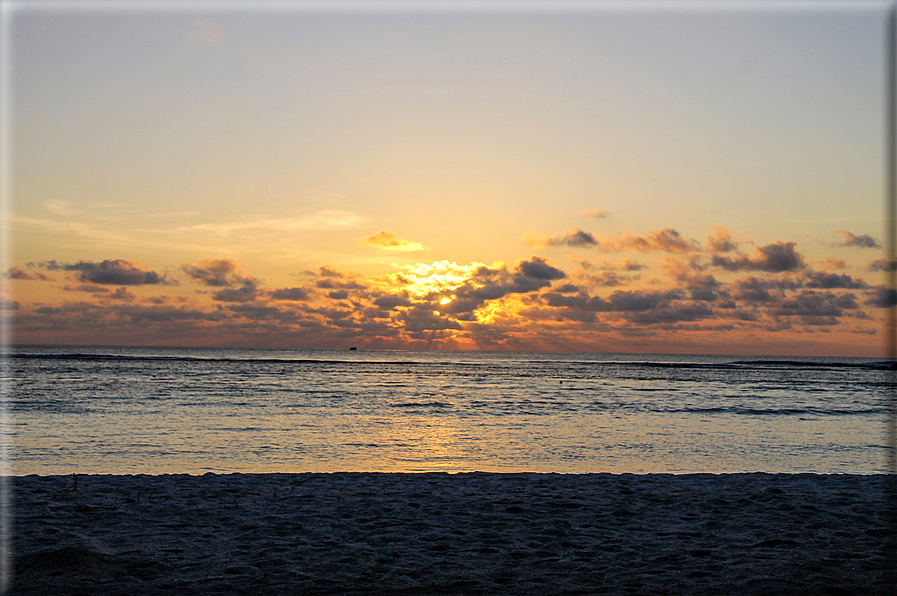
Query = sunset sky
x=583 y=178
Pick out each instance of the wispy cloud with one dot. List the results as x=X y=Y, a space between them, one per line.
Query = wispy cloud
x=17 y=273
x=596 y=213
x=60 y=208
x=207 y=33
x=389 y=241
x=328 y=219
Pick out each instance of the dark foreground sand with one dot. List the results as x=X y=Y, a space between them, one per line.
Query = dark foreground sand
x=453 y=534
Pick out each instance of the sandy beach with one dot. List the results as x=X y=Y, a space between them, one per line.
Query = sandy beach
x=479 y=533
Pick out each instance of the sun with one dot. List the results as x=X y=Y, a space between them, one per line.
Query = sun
x=441 y=276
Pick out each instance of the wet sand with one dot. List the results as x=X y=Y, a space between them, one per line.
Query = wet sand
x=361 y=533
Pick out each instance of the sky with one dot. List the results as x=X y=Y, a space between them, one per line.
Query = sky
x=661 y=178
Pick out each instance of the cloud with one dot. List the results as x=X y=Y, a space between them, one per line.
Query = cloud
x=247 y=293
x=294 y=294
x=93 y=288
x=721 y=241
x=832 y=263
x=756 y=290
x=809 y=303
x=619 y=301
x=424 y=318
x=883 y=265
x=328 y=272
x=332 y=284
x=821 y=279
x=539 y=268
x=20 y=274
x=217 y=273
x=389 y=241
x=663 y=240
x=328 y=219
x=60 y=208
x=527 y=305
x=881 y=297
x=672 y=314
x=123 y=294
x=208 y=33
x=861 y=241
x=575 y=237
x=118 y=272
x=492 y=283
x=602 y=265
x=776 y=257
x=606 y=279
x=640 y=301
x=392 y=301
x=596 y=213
x=691 y=273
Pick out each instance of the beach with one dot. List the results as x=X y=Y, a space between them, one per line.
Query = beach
x=436 y=533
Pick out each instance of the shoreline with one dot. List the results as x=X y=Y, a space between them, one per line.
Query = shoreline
x=464 y=533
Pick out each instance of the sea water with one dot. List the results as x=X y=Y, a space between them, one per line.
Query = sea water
x=189 y=410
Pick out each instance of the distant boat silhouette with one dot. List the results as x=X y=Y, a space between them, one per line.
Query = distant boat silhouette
x=352 y=348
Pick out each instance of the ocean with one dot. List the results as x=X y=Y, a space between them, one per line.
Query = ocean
x=138 y=410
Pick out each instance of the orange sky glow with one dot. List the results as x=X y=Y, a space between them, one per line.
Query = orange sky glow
x=573 y=181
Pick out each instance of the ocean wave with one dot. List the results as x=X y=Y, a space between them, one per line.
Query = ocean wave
x=180 y=358
x=749 y=411
x=422 y=404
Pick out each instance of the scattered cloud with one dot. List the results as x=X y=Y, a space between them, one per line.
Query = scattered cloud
x=596 y=213
x=530 y=304
x=389 y=241
x=208 y=33
x=575 y=237
x=883 y=265
x=9 y=304
x=293 y=294
x=821 y=279
x=217 y=273
x=663 y=240
x=882 y=297
x=810 y=303
x=118 y=272
x=91 y=288
x=831 y=263
x=776 y=257
x=246 y=293
x=122 y=293
x=721 y=241
x=21 y=274
x=861 y=241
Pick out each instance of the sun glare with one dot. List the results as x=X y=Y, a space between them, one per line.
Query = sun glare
x=440 y=276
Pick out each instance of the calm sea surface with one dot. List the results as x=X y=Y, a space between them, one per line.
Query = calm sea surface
x=176 y=410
